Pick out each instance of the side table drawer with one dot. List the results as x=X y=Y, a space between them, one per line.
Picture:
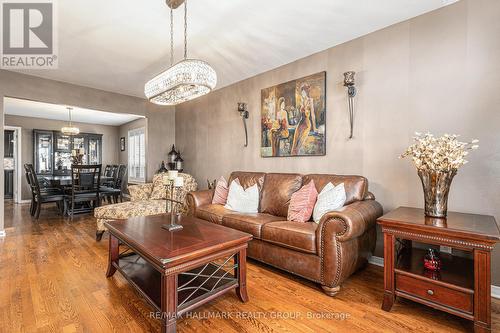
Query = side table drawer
x=429 y=291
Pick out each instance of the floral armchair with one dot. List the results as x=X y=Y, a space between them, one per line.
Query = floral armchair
x=146 y=199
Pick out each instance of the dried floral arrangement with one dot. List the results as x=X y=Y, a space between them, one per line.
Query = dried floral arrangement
x=445 y=153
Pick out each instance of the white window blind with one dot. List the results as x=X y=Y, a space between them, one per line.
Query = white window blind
x=137 y=155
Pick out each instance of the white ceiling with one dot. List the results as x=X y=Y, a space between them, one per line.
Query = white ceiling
x=26 y=108
x=117 y=45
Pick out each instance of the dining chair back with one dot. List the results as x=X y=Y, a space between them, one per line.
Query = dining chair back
x=41 y=195
x=107 y=171
x=85 y=187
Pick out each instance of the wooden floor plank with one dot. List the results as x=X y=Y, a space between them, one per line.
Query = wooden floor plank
x=53 y=280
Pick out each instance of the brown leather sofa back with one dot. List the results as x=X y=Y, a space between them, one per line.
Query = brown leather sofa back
x=277 y=191
x=247 y=179
x=356 y=187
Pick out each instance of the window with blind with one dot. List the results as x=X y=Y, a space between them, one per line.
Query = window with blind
x=137 y=155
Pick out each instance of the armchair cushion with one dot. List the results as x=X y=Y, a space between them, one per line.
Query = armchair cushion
x=130 y=209
x=159 y=191
x=140 y=192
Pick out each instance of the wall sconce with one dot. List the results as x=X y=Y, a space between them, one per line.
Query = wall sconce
x=242 y=109
x=351 y=92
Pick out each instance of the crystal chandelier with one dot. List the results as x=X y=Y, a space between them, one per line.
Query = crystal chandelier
x=70 y=129
x=184 y=81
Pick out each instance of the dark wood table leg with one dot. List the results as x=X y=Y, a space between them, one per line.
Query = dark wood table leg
x=241 y=273
x=388 y=272
x=482 y=291
x=113 y=255
x=169 y=303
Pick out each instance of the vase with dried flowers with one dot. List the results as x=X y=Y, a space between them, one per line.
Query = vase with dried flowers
x=437 y=160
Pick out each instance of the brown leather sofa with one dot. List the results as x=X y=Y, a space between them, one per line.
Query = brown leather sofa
x=327 y=252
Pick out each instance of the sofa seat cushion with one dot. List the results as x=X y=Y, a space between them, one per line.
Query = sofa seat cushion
x=294 y=235
x=130 y=209
x=212 y=213
x=249 y=222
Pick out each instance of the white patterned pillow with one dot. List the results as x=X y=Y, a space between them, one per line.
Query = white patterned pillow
x=241 y=200
x=330 y=198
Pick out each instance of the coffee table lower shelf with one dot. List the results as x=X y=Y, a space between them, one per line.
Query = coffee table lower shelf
x=194 y=287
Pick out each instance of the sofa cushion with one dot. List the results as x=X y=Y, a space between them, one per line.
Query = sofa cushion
x=247 y=179
x=212 y=213
x=277 y=191
x=302 y=203
x=297 y=236
x=221 y=192
x=130 y=209
x=243 y=200
x=329 y=199
x=356 y=187
x=248 y=222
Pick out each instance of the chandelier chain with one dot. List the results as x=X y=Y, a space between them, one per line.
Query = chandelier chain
x=185 y=30
x=171 y=37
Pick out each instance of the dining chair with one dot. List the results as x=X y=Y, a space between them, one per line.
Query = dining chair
x=107 y=171
x=112 y=191
x=85 y=188
x=41 y=195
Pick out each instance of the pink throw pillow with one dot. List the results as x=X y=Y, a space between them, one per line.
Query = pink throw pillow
x=221 y=191
x=302 y=203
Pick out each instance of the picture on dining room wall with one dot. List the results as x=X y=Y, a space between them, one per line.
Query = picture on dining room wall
x=293 y=118
x=122 y=143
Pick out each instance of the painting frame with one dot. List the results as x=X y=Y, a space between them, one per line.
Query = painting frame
x=293 y=118
x=122 y=143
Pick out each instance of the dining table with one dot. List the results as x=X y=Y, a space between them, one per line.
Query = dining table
x=65 y=180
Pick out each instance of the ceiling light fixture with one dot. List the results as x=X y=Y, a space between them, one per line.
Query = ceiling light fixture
x=70 y=129
x=184 y=81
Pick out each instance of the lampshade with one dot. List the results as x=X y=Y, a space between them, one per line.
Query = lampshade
x=186 y=80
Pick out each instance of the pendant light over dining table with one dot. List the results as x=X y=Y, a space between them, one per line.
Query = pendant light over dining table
x=70 y=129
x=184 y=81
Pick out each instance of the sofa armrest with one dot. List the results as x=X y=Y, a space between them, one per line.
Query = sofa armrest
x=345 y=239
x=349 y=222
x=196 y=199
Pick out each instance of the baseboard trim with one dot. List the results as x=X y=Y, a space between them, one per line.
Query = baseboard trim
x=25 y=201
x=379 y=261
x=2 y=233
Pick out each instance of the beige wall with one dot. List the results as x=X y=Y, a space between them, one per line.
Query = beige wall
x=160 y=136
x=438 y=72
x=110 y=146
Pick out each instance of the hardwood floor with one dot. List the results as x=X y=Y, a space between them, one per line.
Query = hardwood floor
x=53 y=280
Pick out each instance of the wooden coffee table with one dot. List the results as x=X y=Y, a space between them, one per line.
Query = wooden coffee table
x=177 y=271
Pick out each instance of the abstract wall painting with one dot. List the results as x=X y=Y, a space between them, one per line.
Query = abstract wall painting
x=293 y=118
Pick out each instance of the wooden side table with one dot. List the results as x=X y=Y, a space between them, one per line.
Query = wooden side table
x=463 y=285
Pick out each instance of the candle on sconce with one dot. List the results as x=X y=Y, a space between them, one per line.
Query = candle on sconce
x=172 y=174
x=179 y=182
